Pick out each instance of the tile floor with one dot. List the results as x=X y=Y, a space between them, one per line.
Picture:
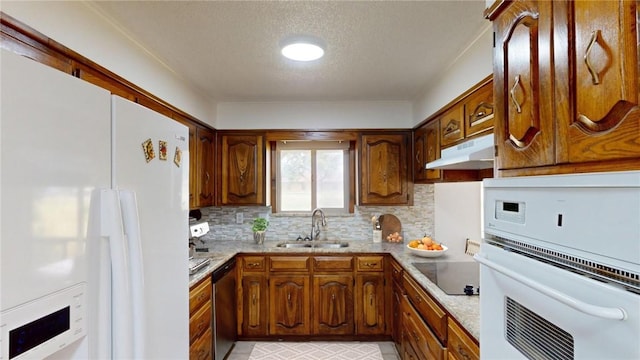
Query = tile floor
x=242 y=350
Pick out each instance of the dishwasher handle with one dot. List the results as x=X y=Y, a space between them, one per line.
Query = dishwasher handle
x=610 y=313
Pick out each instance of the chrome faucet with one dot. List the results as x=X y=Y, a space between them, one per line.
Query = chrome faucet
x=315 y=228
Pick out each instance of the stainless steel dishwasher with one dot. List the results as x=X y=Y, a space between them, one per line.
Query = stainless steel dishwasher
x=224 y=309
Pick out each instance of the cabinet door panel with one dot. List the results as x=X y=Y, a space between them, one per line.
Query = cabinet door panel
x=478 y=110
x=384 y=170
x=523 y=84
x=333 y=304
x=242 y=170
x=370 y=304
x=254 y=305
x=289 y=305
x=452 y=126
x=205 y=151
x=606 y=122
x=419 y=154
x=432 y=138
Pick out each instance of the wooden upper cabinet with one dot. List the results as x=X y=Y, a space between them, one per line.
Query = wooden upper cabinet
x=603 y=121
x=523 y=85
x=452 y=126
x=205 y=165
x=432 y=142
x=384 y=170
x=242 y=169
x=567 y=86
x=419 y=154
x=478 y=110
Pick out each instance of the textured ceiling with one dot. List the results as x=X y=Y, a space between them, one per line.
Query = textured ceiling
x=375 y=50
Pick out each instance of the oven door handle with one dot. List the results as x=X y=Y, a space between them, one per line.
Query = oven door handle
x=610 y=313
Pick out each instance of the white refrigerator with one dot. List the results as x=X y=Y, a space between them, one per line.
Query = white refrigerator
x=94 y=220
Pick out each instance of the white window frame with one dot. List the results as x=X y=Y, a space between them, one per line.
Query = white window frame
x=314 y=145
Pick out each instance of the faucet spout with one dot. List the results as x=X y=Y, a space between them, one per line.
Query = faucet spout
x=315 y=228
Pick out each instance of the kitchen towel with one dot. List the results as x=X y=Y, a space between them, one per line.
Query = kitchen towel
x=316 y=350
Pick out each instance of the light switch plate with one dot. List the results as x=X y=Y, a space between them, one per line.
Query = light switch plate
x=239 y=218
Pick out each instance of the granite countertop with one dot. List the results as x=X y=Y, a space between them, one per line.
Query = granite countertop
x=465 y=309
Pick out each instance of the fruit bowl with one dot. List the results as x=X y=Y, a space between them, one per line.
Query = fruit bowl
x=427 y=253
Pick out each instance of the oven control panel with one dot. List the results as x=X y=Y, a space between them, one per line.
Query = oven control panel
x=511 y=211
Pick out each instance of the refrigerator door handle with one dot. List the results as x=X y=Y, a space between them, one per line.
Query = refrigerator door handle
x=120 y=288
x=130 y=219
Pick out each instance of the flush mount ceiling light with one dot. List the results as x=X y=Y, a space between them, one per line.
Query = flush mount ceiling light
x=302 y=48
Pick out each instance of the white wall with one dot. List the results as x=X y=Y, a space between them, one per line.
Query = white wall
x=314 y=115
x=471 y=66
x=80 y=27
x=457 y=215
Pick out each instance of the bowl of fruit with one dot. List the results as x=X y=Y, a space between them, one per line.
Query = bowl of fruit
x=426 y=247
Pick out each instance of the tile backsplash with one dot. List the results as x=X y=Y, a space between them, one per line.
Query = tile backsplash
x=416 y=221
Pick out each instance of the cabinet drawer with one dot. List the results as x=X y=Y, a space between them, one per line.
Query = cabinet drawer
x=200 y=322
x=422 y=340
x=201 y=349
x=430 y=311
x=253 y=263
x=199 y=294
x=460 y=346
x=370 y=263
x=333 y=263
x=289 y=263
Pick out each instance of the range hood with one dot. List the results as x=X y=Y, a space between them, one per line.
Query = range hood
x=473 y=154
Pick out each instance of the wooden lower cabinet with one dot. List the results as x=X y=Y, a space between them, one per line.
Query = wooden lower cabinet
x=417 y=335
x=370 y=304
x=290 y=301
x=303 y=295
x=253 y=301
x=333 y=304
x=201 y=349
x=459 y=344
x=200 y=312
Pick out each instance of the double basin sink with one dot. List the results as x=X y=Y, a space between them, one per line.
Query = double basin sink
x=321 y=244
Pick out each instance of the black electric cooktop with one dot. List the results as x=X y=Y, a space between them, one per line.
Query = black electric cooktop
x=453 y=277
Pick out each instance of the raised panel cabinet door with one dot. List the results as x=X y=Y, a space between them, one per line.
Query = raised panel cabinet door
x=242 y=170
x=605 y=116
x=452 y=126
x=290 y=302
x=370 y=304
x=478 y=110
x=523 y=85
x=419 y=154
x=432 y=138
x=205 y=155
x=384 y=170
x=254 y=300
x=333 y=304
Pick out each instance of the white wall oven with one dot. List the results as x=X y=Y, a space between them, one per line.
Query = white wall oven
x=560 y=267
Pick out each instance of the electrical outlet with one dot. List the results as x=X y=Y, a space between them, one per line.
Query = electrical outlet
x=239 y=218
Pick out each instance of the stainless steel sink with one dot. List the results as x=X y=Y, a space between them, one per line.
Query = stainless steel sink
x=294 y=245
x=314 y=244
x=331 y=244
